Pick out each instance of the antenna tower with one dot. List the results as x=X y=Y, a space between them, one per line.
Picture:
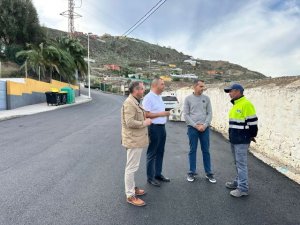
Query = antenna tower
x=71 y=16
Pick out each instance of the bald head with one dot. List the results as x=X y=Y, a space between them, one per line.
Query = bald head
x=155 y=81
x=157 y=86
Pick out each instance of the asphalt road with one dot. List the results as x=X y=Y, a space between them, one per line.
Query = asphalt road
x=66 y=167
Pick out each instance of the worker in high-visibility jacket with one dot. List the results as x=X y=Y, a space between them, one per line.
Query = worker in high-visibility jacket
x=242 y=130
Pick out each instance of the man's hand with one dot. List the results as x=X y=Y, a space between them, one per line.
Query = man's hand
x=147 y=121
x=200 y=127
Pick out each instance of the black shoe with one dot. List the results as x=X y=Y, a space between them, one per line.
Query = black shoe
x=154 y=182
x=162 y=178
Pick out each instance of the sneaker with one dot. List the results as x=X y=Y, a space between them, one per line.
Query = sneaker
x=190 y=177
x=211 y=178
x=139 y=192
x=230 y=185
x=237 y=193
x=135 y=201
x=195 y=174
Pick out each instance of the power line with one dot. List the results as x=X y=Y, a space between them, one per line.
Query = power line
x=145 y=17
x=142 y=17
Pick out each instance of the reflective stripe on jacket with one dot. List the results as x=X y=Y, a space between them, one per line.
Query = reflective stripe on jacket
x=242 y=121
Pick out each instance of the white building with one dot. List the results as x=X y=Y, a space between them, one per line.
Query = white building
x=189 y=76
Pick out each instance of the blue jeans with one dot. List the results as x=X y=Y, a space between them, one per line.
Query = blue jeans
x=240 y=152
x=194 y=135
x=156 y=150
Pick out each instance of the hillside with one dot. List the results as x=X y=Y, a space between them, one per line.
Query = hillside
x=133 y=56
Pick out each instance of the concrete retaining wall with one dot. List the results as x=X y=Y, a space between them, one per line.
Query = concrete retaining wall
x=28 y=91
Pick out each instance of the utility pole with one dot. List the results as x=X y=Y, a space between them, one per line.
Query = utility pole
x=39 y=73
x=26 y=73
x=71 y=16
x=89 y=72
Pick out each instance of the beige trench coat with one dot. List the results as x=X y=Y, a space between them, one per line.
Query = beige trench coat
x=134 y=131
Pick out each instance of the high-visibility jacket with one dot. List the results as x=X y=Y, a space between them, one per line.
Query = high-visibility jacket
x=242 y=121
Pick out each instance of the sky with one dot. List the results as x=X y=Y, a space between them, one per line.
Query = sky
x=261 y=35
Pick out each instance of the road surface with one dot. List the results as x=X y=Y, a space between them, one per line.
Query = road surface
x=66 y=167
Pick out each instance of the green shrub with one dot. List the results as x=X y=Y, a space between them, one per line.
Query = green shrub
x=115 y=90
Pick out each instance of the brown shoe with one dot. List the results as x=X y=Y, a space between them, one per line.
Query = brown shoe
x=139 y=191
x=135 y=201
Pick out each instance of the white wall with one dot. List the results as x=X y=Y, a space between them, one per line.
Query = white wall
x=17 y=80
x=278 y=111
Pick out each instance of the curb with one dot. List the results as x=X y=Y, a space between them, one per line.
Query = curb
x=49 y=108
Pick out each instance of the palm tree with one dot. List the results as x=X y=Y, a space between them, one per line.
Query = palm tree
x=49 y=59
x=76 y=50
x=66 y=65
x=40 y=58
x=63 y=56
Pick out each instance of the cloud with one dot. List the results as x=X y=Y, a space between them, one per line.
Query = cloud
x=49 y=13
x=257 y=38
x=261 y=35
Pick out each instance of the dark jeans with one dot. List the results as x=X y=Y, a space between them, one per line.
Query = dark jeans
x=194 y=135
x=156 y=149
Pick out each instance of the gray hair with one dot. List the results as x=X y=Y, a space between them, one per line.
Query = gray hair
x=134 y=85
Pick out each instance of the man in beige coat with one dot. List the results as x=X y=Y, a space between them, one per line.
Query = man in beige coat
x=134 y=139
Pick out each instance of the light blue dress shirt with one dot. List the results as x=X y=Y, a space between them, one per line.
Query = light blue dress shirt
x=153 y=103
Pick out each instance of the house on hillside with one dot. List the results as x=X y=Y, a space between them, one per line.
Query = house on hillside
x=135 y=75
x=192 y=62
x=112 y=67
x=166 y=78
x=214 y=72
x=177 y=70
x=78 y=34
x=189 y=76
x=94 y=36
x=161 y=63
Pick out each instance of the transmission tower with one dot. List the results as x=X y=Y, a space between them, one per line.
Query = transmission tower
x=71 y=16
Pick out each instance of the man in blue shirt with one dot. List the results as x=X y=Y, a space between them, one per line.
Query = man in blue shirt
x=155 y=110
